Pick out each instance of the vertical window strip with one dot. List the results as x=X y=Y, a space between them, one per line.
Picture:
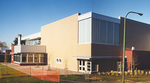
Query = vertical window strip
x=113 y=33
x=99 y=31
x=106 y=32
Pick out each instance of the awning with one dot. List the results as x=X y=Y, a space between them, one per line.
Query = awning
x=97 y=57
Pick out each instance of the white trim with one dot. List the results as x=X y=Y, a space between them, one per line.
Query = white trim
x=97 y=57
x=85 y=16
x=32 y=36
x=82 y=57
x=16 y=62
x=98 y=16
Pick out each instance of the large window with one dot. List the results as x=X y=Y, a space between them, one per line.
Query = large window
x=32 y=42
x=30 y=58
x=24 y=57
x=17 y=58
x=116 y=34
x=36 y=58
x=110 y=33
x=104 y=32
x=42 y=58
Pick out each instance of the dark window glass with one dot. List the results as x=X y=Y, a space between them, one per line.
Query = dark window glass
x=116 y=34
x=110 y=33
x=103 y=32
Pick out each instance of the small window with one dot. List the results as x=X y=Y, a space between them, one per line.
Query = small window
x=83 y=63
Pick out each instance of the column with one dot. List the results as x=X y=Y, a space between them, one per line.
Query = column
x=33 y=58
x=39 y=58
x=20 y=58
x=27 y=58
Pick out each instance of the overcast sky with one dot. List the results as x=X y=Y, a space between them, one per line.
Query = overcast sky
x=27 y=16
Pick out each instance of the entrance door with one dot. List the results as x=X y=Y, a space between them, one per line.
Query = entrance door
x=82 y=66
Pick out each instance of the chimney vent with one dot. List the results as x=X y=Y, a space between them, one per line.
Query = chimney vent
x=19 y=39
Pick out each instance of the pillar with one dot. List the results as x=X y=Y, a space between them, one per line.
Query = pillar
x=33 y=58
x=27 y=58
x=20 y=58
x=39 y=58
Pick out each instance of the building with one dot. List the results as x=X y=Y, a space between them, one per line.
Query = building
x=87 y=42
x=137 y=44
x=29 y=51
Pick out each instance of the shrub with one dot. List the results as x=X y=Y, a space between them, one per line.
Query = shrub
x=126 y=73
x=146 y=73
x=108 y=73
x=117 y=74
x=103 y=73
x=142 y=72
x=112 y=73
x=139 y=71
x=99 y=73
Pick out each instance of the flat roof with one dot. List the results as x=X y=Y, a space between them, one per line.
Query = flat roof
x=98 y=16
x=32 y=36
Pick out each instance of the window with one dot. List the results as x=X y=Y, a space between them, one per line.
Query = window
x=104 y=32
x=116 y=34
x=32 y=42
x=30 y=58
x=95 y=30
x=17 y=58
x=36 y=57
x=42 y=58
x=24 y=57
x=110 y=33
x=82 y=65
x=85 y=31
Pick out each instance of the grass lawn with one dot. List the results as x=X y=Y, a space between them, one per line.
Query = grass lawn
x=7 y=72
x=107 y=78
x=23 y=80
x=10 y=75
x=73 y=77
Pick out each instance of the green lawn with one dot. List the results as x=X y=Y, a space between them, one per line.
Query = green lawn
x=7 y=72
x=10 y=75
x=107 y=78
x=23 y=80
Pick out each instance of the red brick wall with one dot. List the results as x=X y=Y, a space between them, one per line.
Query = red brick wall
x=128 y=54
x=12 y=53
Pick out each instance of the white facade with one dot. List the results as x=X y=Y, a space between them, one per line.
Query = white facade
x=99 y=29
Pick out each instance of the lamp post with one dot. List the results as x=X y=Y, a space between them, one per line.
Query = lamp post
x=123 y=60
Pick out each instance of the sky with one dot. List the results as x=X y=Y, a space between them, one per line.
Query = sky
x=27 y=16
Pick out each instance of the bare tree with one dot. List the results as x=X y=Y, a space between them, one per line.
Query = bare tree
x=134 y=61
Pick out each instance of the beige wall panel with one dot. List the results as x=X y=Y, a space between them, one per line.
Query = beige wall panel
x=61 y=40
